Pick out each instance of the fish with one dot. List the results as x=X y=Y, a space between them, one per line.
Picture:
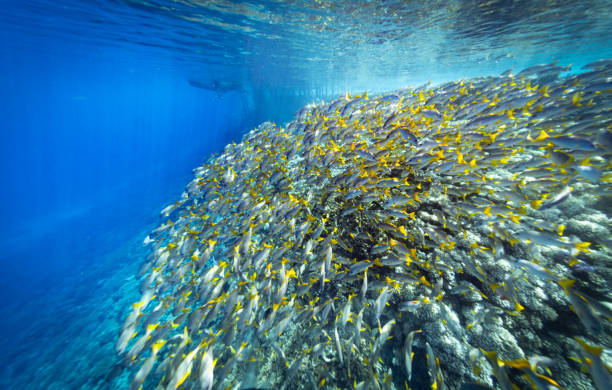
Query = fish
x=598 y=370
x=380 y=303
x=536 y=269
x=383 y=336
x=183 y=371
x=559 y=198
x=560 y=158
x=408 y=136
x=436 y=291
x=499 y=371
x=364 y=285
x=432 y=364
x=574 y=143
x=338 y=346
x=359 y=267
x=358 y=323
x=323 y=276
x=598 y=64
x=220 y=87
x=408 y=354
x=389 y=120
x=384 y=211
x=588 y=172
x=328 y=258
x=206 y=370
x=582 y=308
x=139 y=345
x=145 y=369
x=604 y=139
x=346 y=312
x=536 y=360
x=392 y=261
x=127 y=333
x=542 y=238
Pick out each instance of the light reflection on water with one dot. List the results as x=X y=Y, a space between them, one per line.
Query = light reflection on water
x=335 y=45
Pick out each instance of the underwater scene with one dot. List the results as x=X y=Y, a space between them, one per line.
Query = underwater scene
x=306 y=194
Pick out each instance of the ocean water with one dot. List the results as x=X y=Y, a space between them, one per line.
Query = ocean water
x=108 y=106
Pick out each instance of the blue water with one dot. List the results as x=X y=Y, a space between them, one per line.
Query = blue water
x=107 y=106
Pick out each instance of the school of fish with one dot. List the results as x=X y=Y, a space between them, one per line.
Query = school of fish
x=443 y=237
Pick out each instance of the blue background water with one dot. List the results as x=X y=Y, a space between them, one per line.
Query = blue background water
x=101 y=128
